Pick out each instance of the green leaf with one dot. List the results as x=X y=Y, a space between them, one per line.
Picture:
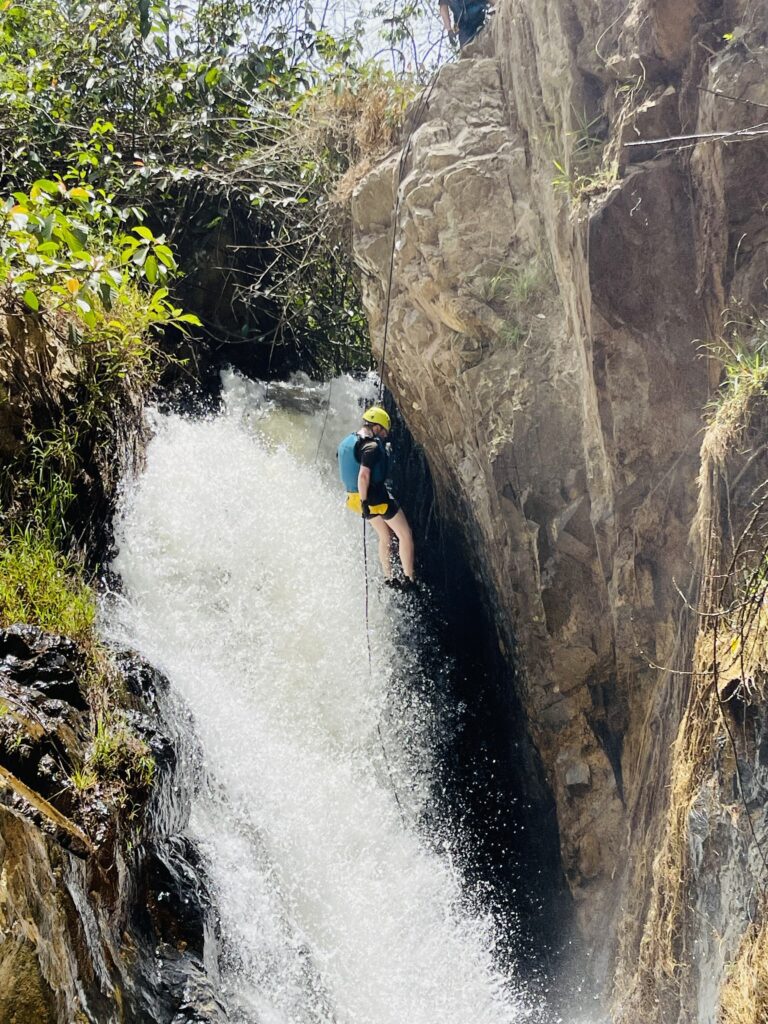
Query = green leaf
x=165 y=256
x=106 y=294
x=150 y=269
x=189 y=318
x=47 y=227
x=46 y=185
x=74 y=244
x=140 y=229
x=31 y=300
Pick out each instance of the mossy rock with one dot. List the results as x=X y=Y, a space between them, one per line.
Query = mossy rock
x=25 y=995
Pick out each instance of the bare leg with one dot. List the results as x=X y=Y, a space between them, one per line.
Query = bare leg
x=385 y=544
x=399 y=526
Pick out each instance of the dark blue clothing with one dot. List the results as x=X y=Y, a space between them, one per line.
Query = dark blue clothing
x=468 y=16
x=356 y=450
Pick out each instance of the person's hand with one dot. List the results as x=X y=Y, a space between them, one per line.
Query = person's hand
x=453 y=39
x=365 y=509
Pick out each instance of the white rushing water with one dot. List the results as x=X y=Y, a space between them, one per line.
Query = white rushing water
x=243 y=581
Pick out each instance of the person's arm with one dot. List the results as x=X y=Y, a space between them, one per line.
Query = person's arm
x=445 y=14
x=369 y=456
x=363 y=480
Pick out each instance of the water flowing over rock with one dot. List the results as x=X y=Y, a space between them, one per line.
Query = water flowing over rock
x=104 y=917
x=550 y=291
x=340 y=878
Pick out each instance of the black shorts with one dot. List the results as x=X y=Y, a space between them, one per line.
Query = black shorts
x=379 y=495
x=392 y=509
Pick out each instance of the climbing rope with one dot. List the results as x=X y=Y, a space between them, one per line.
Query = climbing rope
x=325 y=421
x=416 y=123
x=370 y=672
x=423 y=101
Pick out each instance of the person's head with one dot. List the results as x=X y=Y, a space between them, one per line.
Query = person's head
x=378 y=420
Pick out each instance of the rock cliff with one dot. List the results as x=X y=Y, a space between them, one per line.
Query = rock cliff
x=104 y=913
x=544 y=275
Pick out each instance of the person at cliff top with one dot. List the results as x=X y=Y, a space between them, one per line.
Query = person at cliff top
x=363 y=467
x=468 y=18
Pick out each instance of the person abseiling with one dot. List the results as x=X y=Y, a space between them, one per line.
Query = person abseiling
x=468 y=18
x=363 y=468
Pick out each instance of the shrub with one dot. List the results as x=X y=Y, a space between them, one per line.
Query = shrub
x=67 y=256
x=66 y=249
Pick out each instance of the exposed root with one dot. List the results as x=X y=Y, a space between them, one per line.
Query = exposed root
x=744 y=998
x=654 y=953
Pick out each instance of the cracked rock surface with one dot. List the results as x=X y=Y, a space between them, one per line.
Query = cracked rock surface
x=551 y=289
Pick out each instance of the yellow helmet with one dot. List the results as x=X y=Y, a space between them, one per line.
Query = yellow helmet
x=377 y=415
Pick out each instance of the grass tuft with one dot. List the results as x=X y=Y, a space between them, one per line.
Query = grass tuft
x=516 y=293
x=360 y=120
x=743 y=353
x=83 y=779
x=38 y=585
x=118 y=755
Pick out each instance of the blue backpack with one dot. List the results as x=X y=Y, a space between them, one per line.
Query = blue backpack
x=349 y=467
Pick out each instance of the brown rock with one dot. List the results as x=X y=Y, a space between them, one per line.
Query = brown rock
x=544 y=347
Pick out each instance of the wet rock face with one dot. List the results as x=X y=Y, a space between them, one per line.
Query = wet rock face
x=550 y=291
x=104 y=912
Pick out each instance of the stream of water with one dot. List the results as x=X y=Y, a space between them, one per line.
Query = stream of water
x=243 y=581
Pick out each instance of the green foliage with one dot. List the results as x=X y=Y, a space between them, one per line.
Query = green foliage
x=65 y=249
x=69 y=255
x=188 y=116
x=118 y=756
x=67 y=66
x=40 y=586
x=326 y=140
x=41 y=480
x=83 y=779
x=742 y=350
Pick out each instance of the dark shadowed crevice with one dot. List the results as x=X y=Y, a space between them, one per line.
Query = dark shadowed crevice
x=495 y=788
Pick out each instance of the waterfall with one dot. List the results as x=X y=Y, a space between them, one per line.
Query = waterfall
x=242 y=579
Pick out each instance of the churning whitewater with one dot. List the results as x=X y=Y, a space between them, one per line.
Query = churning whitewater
x=242 y=579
